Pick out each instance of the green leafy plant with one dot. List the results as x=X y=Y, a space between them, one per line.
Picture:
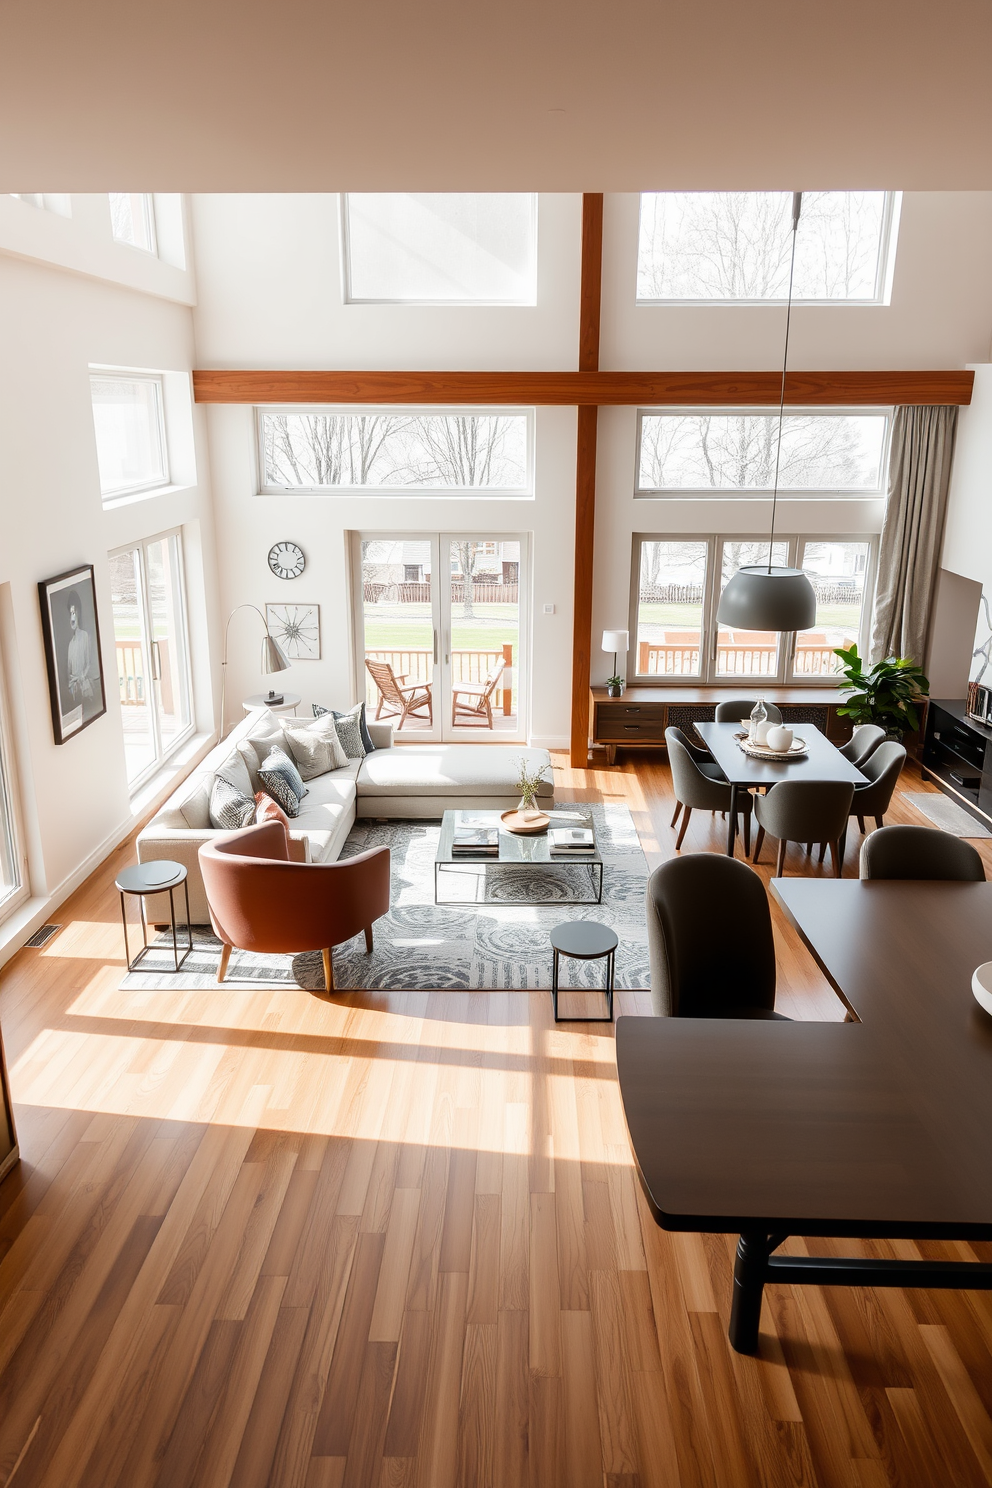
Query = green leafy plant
x=888 y=694
x=614 y=681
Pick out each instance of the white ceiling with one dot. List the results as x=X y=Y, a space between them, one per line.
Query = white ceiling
x=316 y=95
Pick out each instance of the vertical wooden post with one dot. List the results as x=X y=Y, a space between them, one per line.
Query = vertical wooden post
x=507 y=691
x=590 y=304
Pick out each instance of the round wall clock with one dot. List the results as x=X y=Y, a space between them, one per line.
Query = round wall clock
x=287 y=560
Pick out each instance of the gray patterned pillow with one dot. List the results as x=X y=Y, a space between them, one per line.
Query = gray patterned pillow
x=349 y=727
x=280 y=779
x=229 y=807
x=316 y=747
x=319 y=710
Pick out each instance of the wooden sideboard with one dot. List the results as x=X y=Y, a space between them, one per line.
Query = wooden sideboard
x=639 y=718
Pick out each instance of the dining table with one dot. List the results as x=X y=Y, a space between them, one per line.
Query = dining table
x=821 y=761
x=878 y=1127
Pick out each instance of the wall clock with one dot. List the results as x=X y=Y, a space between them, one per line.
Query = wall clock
x=287 y=560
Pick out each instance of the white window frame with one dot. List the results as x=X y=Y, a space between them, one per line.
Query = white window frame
x=707 y=676
x=397 y=493
x=350 y=299
x=148 y=212
x=128 y=374
x=183 y=649
x=884 y=269
x=762 y=493
x=11 y=825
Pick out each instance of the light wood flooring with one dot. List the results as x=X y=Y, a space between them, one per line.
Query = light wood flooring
x=270 y=1238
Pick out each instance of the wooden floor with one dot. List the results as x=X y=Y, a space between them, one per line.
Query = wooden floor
x=269 y=1238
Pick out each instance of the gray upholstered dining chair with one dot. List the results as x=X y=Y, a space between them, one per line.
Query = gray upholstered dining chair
x=805 y=811
x=737 y=709
x=710 y=942
x=863 y=742
x=700 y=787
x=882 y=769
x=919 y=852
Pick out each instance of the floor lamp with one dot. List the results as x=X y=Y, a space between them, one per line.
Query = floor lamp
x=273 y=658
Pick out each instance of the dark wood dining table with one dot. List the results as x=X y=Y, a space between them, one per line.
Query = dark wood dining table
x=880 y=1127
x=822 y=761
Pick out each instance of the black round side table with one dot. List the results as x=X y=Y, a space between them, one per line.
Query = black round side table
x=584 y=940
x=162 y=877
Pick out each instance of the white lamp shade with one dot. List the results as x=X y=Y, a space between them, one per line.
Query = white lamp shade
x=615 y=640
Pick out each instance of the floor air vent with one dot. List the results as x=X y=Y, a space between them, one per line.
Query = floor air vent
x=43 y=936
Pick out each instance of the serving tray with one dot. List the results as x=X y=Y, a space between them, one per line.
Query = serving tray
x=757 y=751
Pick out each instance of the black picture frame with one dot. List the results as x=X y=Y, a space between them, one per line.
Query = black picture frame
x=72 y=651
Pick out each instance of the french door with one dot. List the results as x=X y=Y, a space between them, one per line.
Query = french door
x=150 y=639
x=442 y=631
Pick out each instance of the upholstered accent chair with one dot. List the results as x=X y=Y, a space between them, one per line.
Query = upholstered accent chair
x=260 y=900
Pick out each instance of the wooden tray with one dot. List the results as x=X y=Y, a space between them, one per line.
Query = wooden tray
x=514 y=822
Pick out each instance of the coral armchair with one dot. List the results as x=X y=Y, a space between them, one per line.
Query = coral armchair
x=260 y=900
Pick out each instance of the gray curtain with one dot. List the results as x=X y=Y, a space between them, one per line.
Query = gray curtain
x=909 y=551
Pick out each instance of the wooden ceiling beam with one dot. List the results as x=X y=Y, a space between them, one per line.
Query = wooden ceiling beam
x=586 y=388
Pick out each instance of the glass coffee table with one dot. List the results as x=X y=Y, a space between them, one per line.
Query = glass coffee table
x=519 y=856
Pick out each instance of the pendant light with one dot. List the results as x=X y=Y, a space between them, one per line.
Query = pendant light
x=763 y=596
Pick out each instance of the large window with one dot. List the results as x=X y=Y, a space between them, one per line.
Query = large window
x=733 y=247
x=150 y=636
x=396 y=452
x=676 y=591
x=450 y=248
x=732 y=453
x=130 y=433
x=48 y=201
x=132 y=219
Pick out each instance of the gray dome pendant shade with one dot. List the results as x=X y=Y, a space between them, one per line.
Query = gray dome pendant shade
x=762 y=596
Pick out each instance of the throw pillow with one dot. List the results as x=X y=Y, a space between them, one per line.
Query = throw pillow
x=280 y=779
x=246 y=749
x=268 y=810
x=316 y=747
x=366 y=737
x=229 y=807
x=235 y=772
x=195 y=807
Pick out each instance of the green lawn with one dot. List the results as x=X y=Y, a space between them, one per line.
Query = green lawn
x=401 y=626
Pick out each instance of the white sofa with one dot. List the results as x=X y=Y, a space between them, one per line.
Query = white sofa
x=412 y=781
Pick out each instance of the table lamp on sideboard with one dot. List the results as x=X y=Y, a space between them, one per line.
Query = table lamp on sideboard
x=615 y=641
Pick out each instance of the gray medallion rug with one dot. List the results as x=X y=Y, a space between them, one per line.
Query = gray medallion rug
x=946 y=814
x=488 y=939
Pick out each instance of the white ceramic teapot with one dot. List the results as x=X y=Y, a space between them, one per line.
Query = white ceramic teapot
x=779 y=738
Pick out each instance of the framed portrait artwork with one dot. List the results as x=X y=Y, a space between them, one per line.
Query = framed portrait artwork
x=72 y=650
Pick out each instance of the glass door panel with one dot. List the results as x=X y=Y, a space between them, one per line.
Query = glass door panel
x=671 y=586
x=170 y=685
x=837 y=571
x=400 y=631
x=133 y=668
x=747 y=653
x=482 y=650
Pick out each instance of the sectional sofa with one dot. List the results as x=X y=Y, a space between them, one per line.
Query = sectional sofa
x=406 y=781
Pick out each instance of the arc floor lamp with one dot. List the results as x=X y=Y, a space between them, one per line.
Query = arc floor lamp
x=273 y=658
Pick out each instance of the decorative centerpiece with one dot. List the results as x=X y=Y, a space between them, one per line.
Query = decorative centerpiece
x=526 y=819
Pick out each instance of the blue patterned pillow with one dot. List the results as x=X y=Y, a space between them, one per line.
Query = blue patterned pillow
x=363 y=731
x=280 y=779
x=230 y=808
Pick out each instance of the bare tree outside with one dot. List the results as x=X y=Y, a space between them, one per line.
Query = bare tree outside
x=736 y=452
x=416 y=450
x=735 y=245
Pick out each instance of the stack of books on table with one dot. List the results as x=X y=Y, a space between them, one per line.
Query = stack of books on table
x=474 y=838
x=571 y=839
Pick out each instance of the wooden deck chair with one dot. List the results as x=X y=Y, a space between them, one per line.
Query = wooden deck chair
x=395 y=698
x=478 y=705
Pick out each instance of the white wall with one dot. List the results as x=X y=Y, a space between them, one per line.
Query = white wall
x=269 y=277
x=74 y=798
x=968 y=534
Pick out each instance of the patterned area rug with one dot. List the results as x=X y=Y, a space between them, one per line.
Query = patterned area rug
x=946 y=814
x=488 y=939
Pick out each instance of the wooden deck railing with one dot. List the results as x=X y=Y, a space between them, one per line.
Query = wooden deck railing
x=656 y=660
x=131 y=674
x=466 y=666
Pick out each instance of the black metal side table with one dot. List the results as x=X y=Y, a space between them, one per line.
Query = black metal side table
x=163 y=877
x=584 y=940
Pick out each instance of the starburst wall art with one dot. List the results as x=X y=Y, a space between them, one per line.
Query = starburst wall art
x=296 y=628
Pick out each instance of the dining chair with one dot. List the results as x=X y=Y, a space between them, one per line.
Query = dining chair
x=710 y=944
x=804 y=811
x=863 y=742
x=737 y=709
x=882 y=769
x=919 y=852
x=700 y=786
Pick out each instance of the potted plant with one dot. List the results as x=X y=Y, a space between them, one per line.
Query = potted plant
x=614 y=687
x=888 y=694
x=528 y=783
